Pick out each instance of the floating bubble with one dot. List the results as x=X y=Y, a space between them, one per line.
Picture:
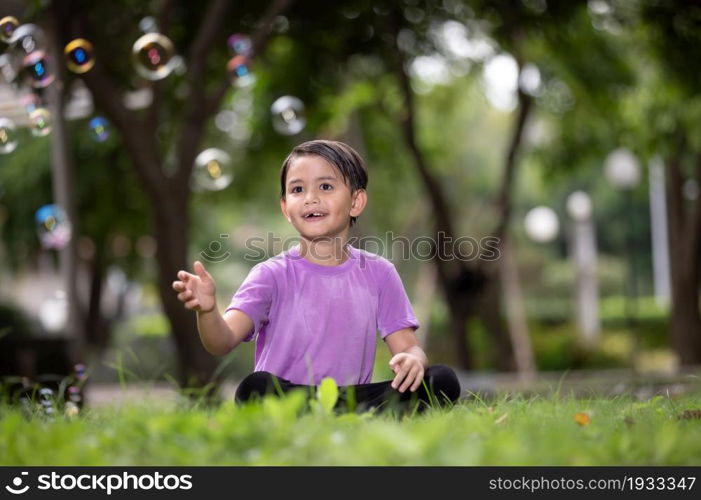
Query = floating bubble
x=8 y=136
x=179 y=66
x=79 y=371
x=53 y=227
x=30 y=102
x=28 y=38
x=239 y=71
x=80 y=57
x=288 y=115
x=213 y=169
x=153 y=56
x=148 y=25
x=40 y=122
x=36 y=70
x=8 y=25
x=53 y=312
x=99 y=127
x=71 y=409
x=240 y=44
x=74 y=394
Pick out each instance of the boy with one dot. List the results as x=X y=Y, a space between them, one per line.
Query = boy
x=315 y=309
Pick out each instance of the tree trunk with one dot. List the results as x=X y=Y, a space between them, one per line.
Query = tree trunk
x=97 y=333
x=683 y=232
x=685 y=322
x=519 y=342
x=171 y=232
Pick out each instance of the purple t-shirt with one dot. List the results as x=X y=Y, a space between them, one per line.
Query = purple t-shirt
x=313 y=321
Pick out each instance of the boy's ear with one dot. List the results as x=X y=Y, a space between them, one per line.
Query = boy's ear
x=283 y=207
x=360 y=200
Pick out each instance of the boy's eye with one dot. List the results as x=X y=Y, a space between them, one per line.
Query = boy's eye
x=326 y=187
x=294 y=189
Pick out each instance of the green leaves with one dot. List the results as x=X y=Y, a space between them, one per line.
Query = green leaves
x=327 y=394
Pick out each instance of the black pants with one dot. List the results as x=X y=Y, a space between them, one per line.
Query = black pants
x=441 y=381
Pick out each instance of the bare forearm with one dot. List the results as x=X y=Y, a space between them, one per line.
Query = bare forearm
x=215 y=334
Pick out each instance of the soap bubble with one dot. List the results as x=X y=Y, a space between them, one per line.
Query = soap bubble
x=71 y=410
x=99 y=128
x=148 y=25
x=40 y=122
x=28 y=38
x=79 y=371
x=53 y=312
x=240 y=44
x=80 y=57
x=153 y=56
x=213 y=169
x=288 y=115
x=36 y=70
x=30 y=102
x=53 y=227
x=8 y=136
x=8 y=25
x=239 y=71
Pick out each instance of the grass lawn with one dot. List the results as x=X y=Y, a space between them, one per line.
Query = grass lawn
x=512 y=430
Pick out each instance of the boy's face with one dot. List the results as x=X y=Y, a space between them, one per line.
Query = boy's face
x=314 y=186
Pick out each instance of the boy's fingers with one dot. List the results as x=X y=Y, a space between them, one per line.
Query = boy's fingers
x=410 y=379
x=184 y=296
x=200 y=270
x=407 y=381
x=418 y=380
x=192 y=304
x=400 y=376
x=183 y=275
x=396 y=361
x=178 y=286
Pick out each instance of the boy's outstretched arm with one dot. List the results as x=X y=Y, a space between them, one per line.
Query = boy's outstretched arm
x=409 y=361
x=218 y=334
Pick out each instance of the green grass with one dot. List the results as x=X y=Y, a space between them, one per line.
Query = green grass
x=508 y=431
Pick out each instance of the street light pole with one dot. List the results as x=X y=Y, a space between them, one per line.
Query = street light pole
x=623 y=172
x=583 y=248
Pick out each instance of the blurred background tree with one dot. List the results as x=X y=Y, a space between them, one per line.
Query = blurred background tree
x=469 y=113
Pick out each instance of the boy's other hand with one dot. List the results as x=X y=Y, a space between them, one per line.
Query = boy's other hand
x=409 y=371
x=197 y=291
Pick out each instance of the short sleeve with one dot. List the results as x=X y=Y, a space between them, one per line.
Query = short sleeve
x=254 y=297
x=394 y=309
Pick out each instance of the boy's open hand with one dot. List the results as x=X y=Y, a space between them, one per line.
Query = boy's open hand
x=409 y=371
x=196 y=291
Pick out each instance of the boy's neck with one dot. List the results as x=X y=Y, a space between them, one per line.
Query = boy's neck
x=325 y=252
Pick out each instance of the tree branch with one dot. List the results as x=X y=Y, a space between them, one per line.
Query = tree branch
x=504 y=198
x=157 y=87
x=259 y=41
x=199 y=106
x=107 y=98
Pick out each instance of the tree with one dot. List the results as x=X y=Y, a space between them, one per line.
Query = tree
x=197 y=34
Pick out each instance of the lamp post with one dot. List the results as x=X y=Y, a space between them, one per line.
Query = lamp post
x=623 y=172
x=583 y=251
x=541 y=224
x=658 y=222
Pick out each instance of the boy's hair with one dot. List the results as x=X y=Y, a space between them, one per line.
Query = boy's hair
x=340 y=155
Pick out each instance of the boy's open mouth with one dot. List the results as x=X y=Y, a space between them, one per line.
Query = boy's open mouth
x=314 y=215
